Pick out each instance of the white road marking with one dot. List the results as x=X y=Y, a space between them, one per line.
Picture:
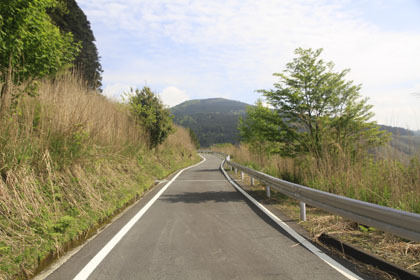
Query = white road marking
x=90 y=267
x=344 y=271
x=160 y=181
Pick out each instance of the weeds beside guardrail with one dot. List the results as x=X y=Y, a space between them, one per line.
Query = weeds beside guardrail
x=400 y=223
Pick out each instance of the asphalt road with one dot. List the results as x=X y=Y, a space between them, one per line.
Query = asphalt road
x=199 y=228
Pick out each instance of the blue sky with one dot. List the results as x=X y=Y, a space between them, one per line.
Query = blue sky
x=188 y=49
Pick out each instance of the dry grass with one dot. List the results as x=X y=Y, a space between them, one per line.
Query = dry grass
x=65 y=108
x=69 y=159
x=385 y=182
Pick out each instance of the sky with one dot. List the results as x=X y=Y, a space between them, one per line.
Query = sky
x=195 y=49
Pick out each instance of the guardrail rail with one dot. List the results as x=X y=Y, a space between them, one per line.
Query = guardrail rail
x=400 y=223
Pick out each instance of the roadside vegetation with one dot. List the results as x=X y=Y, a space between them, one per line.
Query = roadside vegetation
x=149 y=111
x=385 y=182
x=70 y=159
x=318 y=132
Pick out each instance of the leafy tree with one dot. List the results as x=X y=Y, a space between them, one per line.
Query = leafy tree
x=31 y=47
x=149 y=110
x=73 y=19
x=317 y=111
x=259 y=128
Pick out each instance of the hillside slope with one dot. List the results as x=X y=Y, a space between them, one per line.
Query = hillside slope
x=69 y=160
x=214 y=120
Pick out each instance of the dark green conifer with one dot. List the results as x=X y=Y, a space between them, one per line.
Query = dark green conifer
x=70 y=18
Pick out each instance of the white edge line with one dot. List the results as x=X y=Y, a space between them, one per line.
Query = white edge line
x=344 y=271
x=90 y=267
x=63 y=259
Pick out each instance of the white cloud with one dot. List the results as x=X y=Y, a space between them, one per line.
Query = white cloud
x=115 y=91
x=396 y=107
x=231 y=48
x=172 y=96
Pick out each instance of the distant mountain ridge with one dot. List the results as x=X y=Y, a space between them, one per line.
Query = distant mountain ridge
x=214 y=120
x=210 y=105
x=398 y=131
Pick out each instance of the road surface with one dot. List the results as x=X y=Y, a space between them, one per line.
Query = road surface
x=199 y=228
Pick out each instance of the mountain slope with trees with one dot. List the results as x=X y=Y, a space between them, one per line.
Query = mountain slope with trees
x=213 y=120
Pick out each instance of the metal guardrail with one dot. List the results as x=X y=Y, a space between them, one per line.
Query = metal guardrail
x=400 y=223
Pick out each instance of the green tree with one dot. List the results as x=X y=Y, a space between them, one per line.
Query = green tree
x=259 y=128
x=31 y=47
x=72 y=19
x=150 y=112
x=318 y=111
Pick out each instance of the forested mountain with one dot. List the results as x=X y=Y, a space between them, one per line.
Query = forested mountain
x=398 y=131
x=213 y=120
x=211 y=105
x=404 y=142
x=216 y=121
x=408 y=145
x=73 y=19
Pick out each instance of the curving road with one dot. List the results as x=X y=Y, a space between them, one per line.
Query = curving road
x=199 y=228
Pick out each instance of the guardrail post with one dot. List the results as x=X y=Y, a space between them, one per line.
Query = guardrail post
x=252 y=181
x=242 y=176
x=302 y=211
x=236 y=171
x=267 y=191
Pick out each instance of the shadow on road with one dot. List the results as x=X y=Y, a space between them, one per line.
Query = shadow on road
x=201 y=197
x=206 y=170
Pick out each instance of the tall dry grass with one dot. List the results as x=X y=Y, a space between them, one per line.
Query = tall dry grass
x=69 y=159
x=383 y=181
x=65 y=118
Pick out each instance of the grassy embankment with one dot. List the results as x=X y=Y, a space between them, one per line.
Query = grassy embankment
x=69 y=160
x=382 y=181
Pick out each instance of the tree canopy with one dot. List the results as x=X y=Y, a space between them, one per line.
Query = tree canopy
x=31 y=46
x=260 y=129
x=314 y=110
x=70 y=18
